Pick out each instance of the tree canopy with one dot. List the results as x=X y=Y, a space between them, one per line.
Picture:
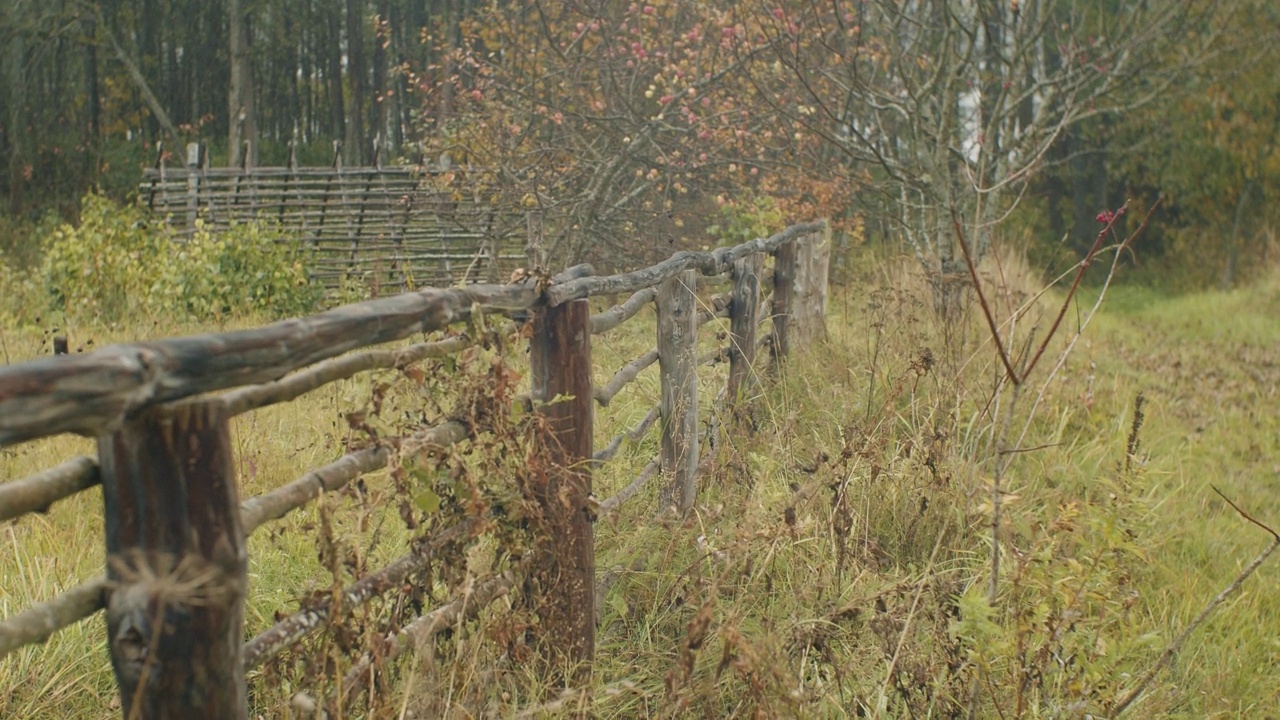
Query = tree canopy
x=618 y=126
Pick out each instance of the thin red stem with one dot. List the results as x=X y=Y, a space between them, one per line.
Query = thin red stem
x=1084 y=266
x=982 y=300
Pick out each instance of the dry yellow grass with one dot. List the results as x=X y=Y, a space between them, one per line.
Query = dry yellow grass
x=831 y=563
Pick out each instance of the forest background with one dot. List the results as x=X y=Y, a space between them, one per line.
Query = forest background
x=631 y=126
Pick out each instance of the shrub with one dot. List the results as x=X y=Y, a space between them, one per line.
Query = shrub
x=747 y=220
x=120 y=264
x=19 y=305
x=249 y=268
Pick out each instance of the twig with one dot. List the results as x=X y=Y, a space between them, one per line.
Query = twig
x=982 y=300
x=1199 y=620
x=1084 y=266
x=1244 y=514
x=1012 y=451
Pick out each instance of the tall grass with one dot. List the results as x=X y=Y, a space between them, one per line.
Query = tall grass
x=836 y=564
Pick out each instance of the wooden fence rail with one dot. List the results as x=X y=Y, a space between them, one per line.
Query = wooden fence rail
x=175 y=582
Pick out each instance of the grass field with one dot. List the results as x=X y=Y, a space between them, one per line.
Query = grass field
x=837 y=563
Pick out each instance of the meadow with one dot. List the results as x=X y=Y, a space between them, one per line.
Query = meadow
x=838 y=562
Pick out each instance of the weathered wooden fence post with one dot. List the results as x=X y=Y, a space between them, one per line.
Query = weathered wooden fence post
x=176 y=563
x=784 y=275
x=677 y=360
x=742 y=325
x=193 y=184
x=561 y=585
x=809 y=303
x=534 y=251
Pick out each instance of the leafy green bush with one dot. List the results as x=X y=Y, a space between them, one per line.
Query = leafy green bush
x=20 y=303
x=747 y=220
x=245 y=269
x=106 y=266
x=120 y=263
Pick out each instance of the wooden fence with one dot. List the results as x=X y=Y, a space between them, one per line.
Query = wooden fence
x=176 y=529
x=389 y=226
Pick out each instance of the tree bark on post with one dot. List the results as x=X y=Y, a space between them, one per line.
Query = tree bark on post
x=677 y=358
x=784 y=276
x=809 y=300
x=742 y=325
x=176 y=564
x=561 y=585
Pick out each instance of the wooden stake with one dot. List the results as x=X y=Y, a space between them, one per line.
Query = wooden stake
x=784 y=276
x=176 y=564
x=561 y=584
x=677 y=357
x=742 y=325
x=809 y=309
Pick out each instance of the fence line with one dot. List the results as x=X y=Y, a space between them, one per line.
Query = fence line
x=170 y=495
x=398 y=226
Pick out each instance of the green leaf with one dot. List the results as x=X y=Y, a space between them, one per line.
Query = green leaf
x=619 y=604
x=427 y=500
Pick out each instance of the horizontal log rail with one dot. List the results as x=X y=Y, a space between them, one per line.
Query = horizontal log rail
x=290 y=630
x=606 y=453
x=613 y=503
x=191 y=386
x=92 y=393
x=40 y=621
x=618 y=314
x=38 y=492
x=330 y=371
x=473 y=598
x=716 y=262
x=628 y=373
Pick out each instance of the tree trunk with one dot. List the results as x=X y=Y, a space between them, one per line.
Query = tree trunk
x=16 y=130
x=140 y=80
x=91 y=129
x=1233 y=243
x=381 y=102
x=242 y=115
x=337 y=103
x=356 y=141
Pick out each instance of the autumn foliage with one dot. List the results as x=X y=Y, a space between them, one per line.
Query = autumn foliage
x=625 y=125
